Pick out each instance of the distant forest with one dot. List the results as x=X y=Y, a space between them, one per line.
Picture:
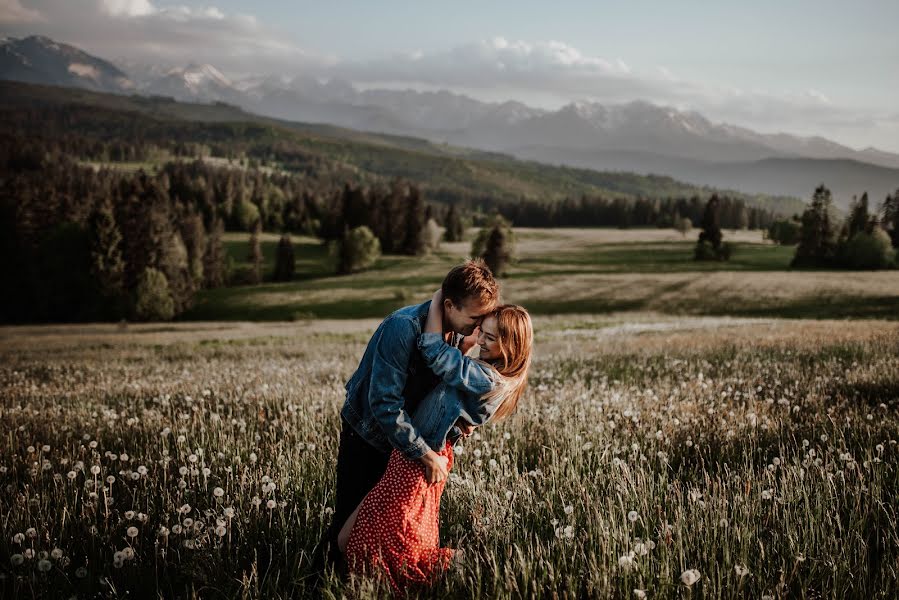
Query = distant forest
x=86 y=240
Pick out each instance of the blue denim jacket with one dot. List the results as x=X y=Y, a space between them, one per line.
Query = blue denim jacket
x=375 y=405
x=465 y=380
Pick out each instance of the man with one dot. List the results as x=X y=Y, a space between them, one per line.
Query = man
x=388 y=385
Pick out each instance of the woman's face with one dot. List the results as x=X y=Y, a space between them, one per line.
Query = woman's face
x=488 y=340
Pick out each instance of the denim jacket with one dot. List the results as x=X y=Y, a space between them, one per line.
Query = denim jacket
x=465 y=380
x=375 y=404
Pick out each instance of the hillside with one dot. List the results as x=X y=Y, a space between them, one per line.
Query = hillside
x=445 y=172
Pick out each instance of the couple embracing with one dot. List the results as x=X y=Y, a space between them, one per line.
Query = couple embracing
x=413 y=396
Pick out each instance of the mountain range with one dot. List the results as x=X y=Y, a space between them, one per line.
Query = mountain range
x=638 y=137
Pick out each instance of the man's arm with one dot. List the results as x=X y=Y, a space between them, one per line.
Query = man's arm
x=385 y=396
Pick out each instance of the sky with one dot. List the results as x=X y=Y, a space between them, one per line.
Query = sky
x=810 y=68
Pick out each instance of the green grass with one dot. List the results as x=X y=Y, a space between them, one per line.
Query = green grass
x=593 y=276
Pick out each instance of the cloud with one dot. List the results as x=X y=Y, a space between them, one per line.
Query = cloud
x=145 y=31
x=13 y=13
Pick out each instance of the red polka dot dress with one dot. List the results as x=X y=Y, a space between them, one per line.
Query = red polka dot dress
x=397 y=529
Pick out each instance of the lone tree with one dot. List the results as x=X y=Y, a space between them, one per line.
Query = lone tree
x=495 y=243
x=357 y=250
x=709 y=246
x=817 y=235
x=455 y=228
x=285 y=261
x=255 y=254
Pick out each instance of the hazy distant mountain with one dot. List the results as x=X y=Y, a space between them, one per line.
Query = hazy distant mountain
x=796 y=177
x=636 y=136
x=37 y=59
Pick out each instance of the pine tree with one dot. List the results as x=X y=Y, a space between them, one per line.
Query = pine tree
x=214 y=262
x=497 y=252
x=285 y=261
x=107 y=263
x=455 y=230
x=413 y=239
x=889 y=211
x=709 y=246
x=817 y=235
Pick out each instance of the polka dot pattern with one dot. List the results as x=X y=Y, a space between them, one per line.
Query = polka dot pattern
x=397 y=529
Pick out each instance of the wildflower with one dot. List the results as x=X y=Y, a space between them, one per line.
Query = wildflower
x=176 y=529
x=142 y=470
x=56 y=553
x=569 y=509
x=639 y=594
x=218 y=492
x=641 y=549
x=766 y=494
x=229 y=512
x=95 y=469
x=185 y=508
x=163 y=531
x=129 y=514
x=72 y=475
x=16 y=559
x=690 y=576
x=271 y=504
x=633 y=516
x=188 y=522
x=132 y=532
x=44 y=565
x=31 y=532
x=221 y=530
x=18 y=538
x=127 y=553
x=741 y=570
x=81 y=572
x=626 y=562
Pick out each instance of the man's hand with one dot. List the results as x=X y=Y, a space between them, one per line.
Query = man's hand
x=435 y=467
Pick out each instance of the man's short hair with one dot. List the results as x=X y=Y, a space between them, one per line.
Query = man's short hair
x=471 y=280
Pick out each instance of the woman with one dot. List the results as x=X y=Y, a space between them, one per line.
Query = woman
x=394 y=531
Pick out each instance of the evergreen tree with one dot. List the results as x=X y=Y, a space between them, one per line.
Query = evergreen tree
x=709 y=246
x=285 y=262
x=817 y=235
x=107 y=263
x=414 y=239
x=214 y=261
x=455 y=229
x=497 y=251
x=890 y=217
x=153 y=299
x=859 y=218
x=254 y=256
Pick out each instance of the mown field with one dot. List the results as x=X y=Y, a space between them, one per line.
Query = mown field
x=568 y=271
x=196 y=460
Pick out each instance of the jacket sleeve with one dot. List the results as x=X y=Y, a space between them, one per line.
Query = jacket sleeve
x=457 y=370
x=385 y=392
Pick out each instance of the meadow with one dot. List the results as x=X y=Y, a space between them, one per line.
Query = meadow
x=653 y=457
x=566 y=271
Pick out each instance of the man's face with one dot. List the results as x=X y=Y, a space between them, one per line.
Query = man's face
x=465 y=318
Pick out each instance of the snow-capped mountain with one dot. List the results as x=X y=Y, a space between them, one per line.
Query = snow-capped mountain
x=38 y=59
x=194 y=83
x=637 y=136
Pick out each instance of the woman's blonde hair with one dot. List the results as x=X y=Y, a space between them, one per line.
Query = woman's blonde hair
x=515 y=336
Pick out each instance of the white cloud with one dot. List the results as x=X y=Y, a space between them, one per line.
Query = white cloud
x=13 y=13
x=127 y=8
x=145 y=31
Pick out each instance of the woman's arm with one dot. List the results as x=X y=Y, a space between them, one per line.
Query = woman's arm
x=434 y=323
x=456 y=369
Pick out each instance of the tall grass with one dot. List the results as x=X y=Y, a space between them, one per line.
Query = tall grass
x=761 y=455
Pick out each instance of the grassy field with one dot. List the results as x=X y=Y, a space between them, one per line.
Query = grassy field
x=567 y=271
x=197 y=459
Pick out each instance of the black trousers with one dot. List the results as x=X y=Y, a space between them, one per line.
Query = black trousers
x=360 y=467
